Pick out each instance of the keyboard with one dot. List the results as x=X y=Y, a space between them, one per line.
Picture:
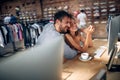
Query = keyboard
x=99 y=51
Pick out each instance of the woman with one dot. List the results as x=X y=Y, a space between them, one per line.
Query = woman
x=74 y=37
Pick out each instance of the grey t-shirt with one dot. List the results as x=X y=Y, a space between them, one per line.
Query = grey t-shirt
x=50 y=33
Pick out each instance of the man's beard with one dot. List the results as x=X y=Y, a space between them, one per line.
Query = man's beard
x=62 y=31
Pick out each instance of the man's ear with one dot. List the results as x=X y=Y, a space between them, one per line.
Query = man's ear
x=58 y=22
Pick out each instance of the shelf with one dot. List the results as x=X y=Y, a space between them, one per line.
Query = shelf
x=97 y=10
x=49 y=12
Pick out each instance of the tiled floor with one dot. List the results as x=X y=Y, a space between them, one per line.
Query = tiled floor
x=113 y=76
x=8 y=49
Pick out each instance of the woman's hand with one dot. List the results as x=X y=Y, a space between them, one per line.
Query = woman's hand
x=89 y=30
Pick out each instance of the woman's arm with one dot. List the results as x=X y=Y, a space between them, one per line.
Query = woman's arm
x=72 y=42
x=88 y=40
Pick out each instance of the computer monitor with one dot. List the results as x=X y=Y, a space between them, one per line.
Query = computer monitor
x=114 y=30
x=43 y=62
x=113 y=38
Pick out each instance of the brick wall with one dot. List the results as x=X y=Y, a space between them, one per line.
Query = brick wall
x=25 y=6
x=34 y=6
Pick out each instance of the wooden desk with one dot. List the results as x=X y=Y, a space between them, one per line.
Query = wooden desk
x=78 y=70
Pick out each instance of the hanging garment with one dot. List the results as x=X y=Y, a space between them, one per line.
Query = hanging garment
x=20 y=30
x=4 y=33
x=1 y=40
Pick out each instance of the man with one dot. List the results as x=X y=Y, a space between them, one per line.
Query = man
x=82 y=18
x=61 y=24
x=7 y=19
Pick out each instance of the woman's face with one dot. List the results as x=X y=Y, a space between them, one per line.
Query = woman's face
x=73 y=25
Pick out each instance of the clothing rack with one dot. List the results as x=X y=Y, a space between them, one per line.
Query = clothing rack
x=8 y=36
x=30 y=33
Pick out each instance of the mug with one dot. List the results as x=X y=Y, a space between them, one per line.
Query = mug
x=84 y=55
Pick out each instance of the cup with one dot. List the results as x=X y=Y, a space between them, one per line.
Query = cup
x=84 y=55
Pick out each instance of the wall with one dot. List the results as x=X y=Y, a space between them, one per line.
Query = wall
x=26 y=6
x=49 y=7
x=53 y=5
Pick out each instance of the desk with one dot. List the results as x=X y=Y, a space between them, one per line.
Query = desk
x=78 y=70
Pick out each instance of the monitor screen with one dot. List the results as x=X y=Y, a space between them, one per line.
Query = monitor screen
x=42 y=62
x=113 y=37
x=114 y=30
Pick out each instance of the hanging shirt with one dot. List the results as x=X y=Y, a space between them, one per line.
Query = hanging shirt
x=7 y=19
x=1 y=40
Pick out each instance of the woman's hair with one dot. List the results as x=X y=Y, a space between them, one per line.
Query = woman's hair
x=68 y=43
x=78 y=30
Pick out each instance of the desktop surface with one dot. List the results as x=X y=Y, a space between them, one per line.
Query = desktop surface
x=85 y=70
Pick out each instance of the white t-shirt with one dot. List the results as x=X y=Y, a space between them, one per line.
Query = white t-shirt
x=82 y=18
x=7 y=20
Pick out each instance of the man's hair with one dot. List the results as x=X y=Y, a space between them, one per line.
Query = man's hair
x=60 y=15
x=82 y=11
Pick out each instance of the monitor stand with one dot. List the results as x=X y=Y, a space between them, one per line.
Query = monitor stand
x=110 y=66
x=115 y=68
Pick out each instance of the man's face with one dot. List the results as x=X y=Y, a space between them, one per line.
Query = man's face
x=64 y=25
